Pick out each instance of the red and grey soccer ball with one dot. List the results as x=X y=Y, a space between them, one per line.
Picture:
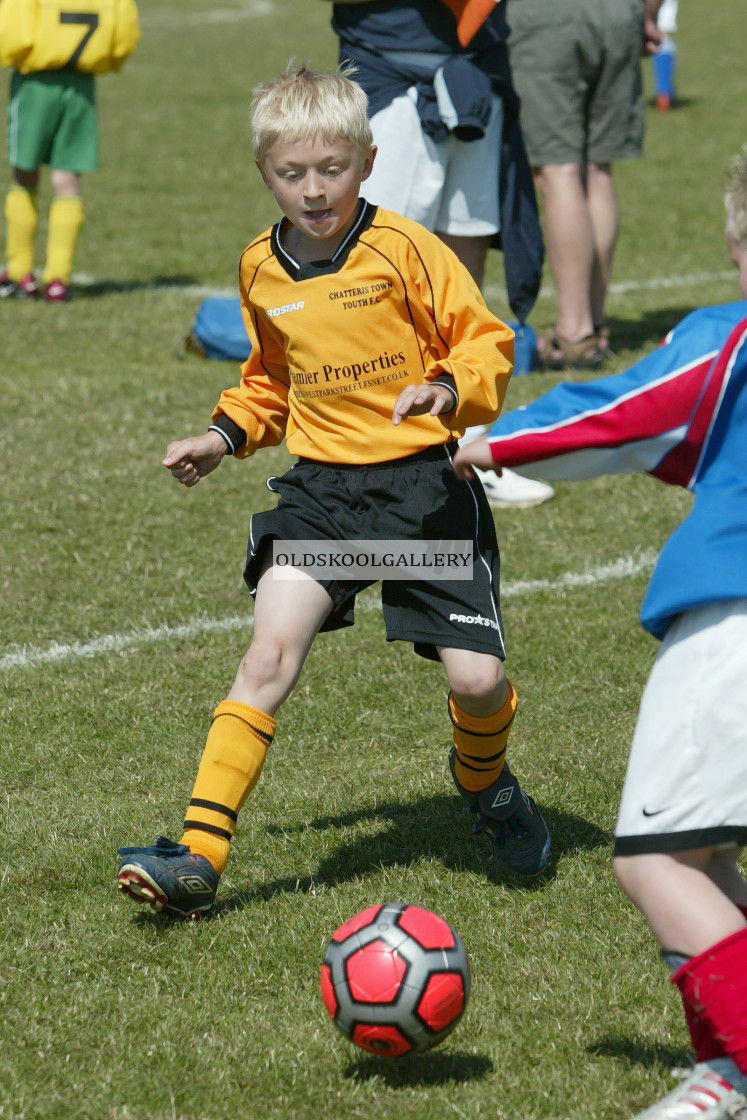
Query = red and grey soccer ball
x=395 y=979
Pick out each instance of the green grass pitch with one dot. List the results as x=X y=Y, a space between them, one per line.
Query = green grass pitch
x=123 y=616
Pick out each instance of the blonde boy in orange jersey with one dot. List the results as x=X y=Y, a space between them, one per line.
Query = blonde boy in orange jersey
x=371 y=351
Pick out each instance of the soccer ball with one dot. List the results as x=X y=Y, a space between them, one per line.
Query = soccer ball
x=395 y=979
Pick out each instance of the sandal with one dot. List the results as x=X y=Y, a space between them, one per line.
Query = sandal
x=557 y=352
x=602 y=332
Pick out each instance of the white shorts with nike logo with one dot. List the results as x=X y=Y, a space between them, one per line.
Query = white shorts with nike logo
x=686 y=783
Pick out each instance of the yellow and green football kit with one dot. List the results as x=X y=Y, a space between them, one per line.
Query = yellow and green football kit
x=56 y=48
x=53 y=121
x=92 y=36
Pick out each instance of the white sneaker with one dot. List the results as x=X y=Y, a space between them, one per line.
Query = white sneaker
x=513 y=491
x=714 y=1090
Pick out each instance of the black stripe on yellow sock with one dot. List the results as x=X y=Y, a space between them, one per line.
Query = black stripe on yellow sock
x=213 y=829
x=480 y=742
x=486 y=762
x=481 y=734
x=261 y=734
x=216 y=807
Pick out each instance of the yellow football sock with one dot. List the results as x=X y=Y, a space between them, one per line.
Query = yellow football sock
x=65 y=220
x=229 y=769
x=21 y=218
x=480 y=742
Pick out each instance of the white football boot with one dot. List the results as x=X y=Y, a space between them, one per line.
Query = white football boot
x=509 y=490
x=513 y=491
x=714 y=1090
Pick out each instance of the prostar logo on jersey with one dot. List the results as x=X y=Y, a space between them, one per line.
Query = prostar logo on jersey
x=272 y=311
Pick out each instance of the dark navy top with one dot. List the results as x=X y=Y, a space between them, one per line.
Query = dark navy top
x=421 y=25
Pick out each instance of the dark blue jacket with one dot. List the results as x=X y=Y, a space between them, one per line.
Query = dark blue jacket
x=471 y=74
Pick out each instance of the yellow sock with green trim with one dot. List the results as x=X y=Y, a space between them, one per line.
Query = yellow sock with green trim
x=65 y=220
x=229 y=769
x=21 y=217
x=480 y=743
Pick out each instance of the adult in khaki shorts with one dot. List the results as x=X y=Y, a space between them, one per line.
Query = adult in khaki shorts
x=576 y=67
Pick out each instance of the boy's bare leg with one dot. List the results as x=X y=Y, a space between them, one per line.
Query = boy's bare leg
x=288 y=614
x=695 y=902
x=690 y=899
x=482 y=704
x=287 y=617
x=183 y=877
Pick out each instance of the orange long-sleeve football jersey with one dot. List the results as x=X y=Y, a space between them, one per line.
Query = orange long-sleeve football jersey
x=334 y=342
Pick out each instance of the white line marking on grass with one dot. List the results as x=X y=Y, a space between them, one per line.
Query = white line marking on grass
x=199 y=291
x=22 y=657
x=250 y=10
x=491 y=291
x=623 y=568
x=694 y=279
x=622 y=287
x=115 y=643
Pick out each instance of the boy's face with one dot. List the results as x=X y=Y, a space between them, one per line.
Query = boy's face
x=317 y=185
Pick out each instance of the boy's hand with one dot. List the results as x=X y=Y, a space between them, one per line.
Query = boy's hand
x=417 y=399
x=476 y=453
x=190 y=459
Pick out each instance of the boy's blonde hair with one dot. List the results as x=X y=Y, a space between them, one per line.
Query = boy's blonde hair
x=309 y=104
x=736 y=199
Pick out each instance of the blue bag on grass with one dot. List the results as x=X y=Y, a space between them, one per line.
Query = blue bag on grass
x=219 y=331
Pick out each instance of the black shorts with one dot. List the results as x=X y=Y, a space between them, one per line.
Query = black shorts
x=411 y=499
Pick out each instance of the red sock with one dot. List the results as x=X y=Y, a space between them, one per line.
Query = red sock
x=713 y=986
x=705 y=1045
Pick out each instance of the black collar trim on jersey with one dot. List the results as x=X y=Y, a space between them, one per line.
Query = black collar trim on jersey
x=310 y=269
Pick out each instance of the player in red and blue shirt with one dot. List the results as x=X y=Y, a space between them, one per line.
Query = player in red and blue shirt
x=679 y=414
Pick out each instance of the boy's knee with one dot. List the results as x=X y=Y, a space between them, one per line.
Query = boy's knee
x=478 y=680
x=65 y=182
x=262 y=661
